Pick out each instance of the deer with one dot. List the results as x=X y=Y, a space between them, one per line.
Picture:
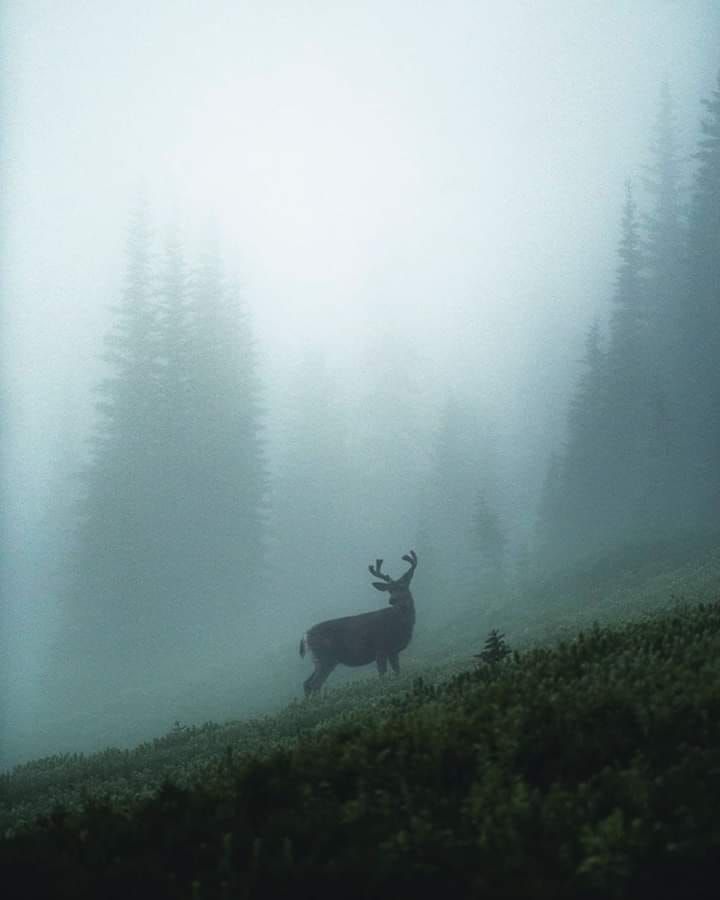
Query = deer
x=377 y=636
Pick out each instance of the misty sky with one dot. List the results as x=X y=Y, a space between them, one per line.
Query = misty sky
x=451 y=172
x=453 y=169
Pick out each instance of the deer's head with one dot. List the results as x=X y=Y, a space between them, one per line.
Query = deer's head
x=399 y=589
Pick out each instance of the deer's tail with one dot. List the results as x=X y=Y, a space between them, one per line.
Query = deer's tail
x=302 y=646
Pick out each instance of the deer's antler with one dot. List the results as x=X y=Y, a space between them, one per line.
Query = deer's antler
x=375 y=571
x=410 y=557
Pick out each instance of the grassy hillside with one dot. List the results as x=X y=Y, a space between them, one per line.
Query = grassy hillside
x=585 y=765
x=606 y=590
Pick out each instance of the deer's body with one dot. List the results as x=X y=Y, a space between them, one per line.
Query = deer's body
x=363 y=639
x=369 y=637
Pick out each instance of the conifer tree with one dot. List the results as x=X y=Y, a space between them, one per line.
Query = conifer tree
x=176 y=597
x=664 y=243
x=664 y=248
x=174 y=341
x=628 y=384
x=586 y=526
x=103 y=634
x=226 y=491
x=698 y=370
x=496 y=649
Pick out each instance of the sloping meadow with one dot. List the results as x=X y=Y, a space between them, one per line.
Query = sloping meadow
x=586 y=768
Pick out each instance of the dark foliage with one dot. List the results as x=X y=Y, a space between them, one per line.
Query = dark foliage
x=496 y=648
x=590 y=769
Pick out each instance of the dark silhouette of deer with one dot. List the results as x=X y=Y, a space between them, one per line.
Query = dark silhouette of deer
x=369 y=637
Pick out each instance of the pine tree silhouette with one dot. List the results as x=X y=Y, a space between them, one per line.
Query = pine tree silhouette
x=496 y=649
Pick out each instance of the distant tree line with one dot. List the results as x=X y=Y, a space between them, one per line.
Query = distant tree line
x=641 y=459
x=169 y=521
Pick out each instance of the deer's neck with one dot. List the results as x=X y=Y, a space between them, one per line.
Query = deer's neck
x=407 y=610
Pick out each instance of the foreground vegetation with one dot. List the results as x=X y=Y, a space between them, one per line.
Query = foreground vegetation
x=589 y=768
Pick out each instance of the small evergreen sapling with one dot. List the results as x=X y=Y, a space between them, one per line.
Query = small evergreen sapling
x=495 y=649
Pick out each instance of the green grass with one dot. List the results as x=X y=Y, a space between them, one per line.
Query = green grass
x=585 y=765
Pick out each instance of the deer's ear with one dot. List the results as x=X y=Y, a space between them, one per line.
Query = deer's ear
x=381 y=585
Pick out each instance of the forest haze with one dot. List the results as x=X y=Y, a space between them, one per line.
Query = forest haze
x=288 y=290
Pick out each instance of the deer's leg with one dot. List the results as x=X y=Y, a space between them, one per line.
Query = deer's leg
x=323 y=668
x=381 y=664
x=394 y=663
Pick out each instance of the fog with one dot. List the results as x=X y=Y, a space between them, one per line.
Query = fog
x=421 y=206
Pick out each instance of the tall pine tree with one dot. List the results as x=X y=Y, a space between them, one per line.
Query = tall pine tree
x=226 y=491
x=103 y=633
x=587 y=524
x=698 y=370
x=664 y=243
x=625 y=471
x=664 y=248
